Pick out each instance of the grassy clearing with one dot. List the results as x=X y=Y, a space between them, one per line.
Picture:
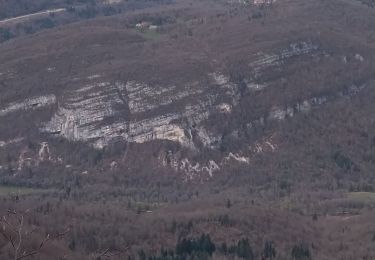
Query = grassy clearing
x=12 y=190
x=364 y=197
x=354 y=201
x=351 y=202
x=151 y=35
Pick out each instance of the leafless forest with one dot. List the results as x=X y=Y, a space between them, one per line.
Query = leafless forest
x=187 y=129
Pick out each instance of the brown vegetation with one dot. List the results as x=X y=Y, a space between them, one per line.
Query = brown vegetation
x=312 y=198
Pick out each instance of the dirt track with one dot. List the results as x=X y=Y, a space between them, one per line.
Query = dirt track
x=20 y=18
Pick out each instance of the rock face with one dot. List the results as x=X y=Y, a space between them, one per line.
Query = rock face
x=296 y=49
x=193 y=170
x=44 y=152
x=256 y=2
x=9 y=142
x=81 y=113
x=263 y=2
x=28 y=158
x=28 y=104
x=101 y=112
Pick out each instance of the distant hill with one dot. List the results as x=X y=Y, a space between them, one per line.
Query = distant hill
x=236 y=119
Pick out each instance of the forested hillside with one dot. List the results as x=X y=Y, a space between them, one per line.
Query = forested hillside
x=187 y=129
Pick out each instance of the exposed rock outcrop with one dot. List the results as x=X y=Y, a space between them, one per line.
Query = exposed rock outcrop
x=29 y=158
x=264 y=60
x=102 y=112
x=9 y=142
x=28 y=104
x=99 y=111
x=279 y=114
x=44 y=153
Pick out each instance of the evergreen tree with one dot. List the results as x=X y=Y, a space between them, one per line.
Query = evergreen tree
x=206 y=245
x=244 y=249
x=301 y=252
x=142 y=255
x=224 y=248
x=269 y=251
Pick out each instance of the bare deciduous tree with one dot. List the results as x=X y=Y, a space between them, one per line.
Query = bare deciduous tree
x=108 y=253
x=15 y=233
